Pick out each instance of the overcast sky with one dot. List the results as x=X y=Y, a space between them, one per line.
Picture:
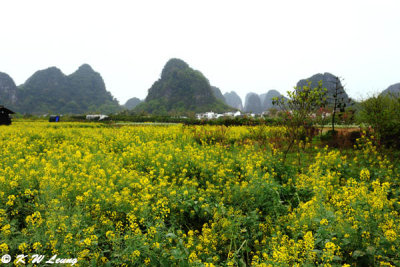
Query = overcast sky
x=245 y=46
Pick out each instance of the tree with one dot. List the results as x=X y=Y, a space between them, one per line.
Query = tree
x=339 y=101
x=297 y=111
x=382 y=114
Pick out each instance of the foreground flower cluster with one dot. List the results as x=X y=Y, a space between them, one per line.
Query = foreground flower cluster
x=192 y=196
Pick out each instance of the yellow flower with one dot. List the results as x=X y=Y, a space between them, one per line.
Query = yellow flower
x=4 y=248
x=6 y=229
x=10 y=201
x=87 y=241
x=36 y=245
x=324 y=222
x=23 y=247
x=110 y=235
x=391 y=235
x=364 y=175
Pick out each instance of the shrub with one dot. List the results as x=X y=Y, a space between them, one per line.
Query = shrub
x=382 y=113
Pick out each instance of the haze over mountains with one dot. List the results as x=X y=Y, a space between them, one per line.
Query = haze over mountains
x=260 y=103
x=330 y=82
x=8 y=90
x=253 y=103
x=233 y=100
x=49 y=90
x=131 y=103
x=266 y=99
x=392 y=90
x=179 y=90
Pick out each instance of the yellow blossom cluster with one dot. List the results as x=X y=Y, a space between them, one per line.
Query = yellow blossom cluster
x=192 y=196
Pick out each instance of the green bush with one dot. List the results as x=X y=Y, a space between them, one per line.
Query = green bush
x=382 y=114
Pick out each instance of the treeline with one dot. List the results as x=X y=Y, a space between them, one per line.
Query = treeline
x=344 y=118
x=226 y=121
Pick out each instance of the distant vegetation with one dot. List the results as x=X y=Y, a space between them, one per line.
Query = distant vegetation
x=227 y=121
x=181 y=90
x=50 y=91
x=217 y=93
x=132 y=103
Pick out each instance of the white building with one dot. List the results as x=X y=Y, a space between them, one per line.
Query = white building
x=237 y=113
x=97 y=117
x=212 y=115
x=207 y=115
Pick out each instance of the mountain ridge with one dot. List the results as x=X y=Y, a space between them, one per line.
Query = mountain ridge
x=51 y=91
x=181 y=90
x=8 y=90
x=392 y=89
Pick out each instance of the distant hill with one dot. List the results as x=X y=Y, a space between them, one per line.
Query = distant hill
x=329 y=82
x=259 y=103
x=50 y=91
x=253 y=104
x=218 y=94
x=8 y=91
x=132 y=103
x=44 y=91
x=181 y=90
x=233 y=99
x=394 y=89
x=266 y=99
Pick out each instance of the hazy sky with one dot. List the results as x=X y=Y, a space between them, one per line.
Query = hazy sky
x=238 y=45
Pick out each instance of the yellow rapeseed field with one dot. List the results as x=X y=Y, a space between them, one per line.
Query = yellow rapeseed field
x=192 y=196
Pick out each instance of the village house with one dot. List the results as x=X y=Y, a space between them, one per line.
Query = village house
x=5 y=116
x=212 y=115
x=97 y=117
